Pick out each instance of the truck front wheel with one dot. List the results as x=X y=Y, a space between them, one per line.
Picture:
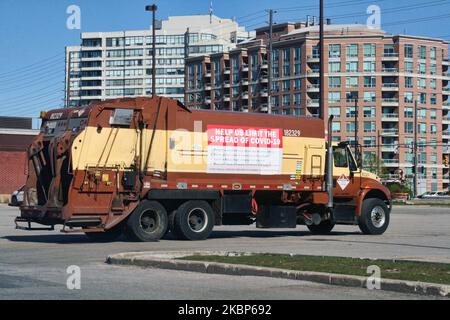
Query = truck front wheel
x=193 y=220
x=374 y=217
x=148 y=222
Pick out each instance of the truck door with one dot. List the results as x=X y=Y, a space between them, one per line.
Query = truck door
x=344 y=180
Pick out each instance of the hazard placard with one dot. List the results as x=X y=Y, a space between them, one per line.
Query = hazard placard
x=343 y=181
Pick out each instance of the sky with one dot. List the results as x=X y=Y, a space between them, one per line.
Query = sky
x=33 y=34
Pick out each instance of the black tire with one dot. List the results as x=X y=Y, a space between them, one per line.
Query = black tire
x=108 y=236
x=374 y=217
x=148 y=222
x=193 y=220
x=324 y=227
x=14 y=201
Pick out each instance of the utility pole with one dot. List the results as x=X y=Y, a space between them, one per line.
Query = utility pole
x=269 y=58
x=378 y=152
x=153 y=9
x=322 y=64
x=415 y=151
x=186 y=44
x=356 y=129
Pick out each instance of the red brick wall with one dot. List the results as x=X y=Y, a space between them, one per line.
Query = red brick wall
x=13 y=170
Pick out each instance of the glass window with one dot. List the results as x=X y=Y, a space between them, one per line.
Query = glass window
x=352 y=50
x=369 y=50
x=335 y=111
x=334 y=97
x=433 y=53
x=369 y=66
x=422 y=52
x=334 y=82
x=369 y=82
x=340 y=157
x=336 y=127
x=409 y=51
x=408 y=82
x=334 y=67
x=334 y=51
x=352 y=66
x=409 y=67
x=352 y=82
x=408 y=112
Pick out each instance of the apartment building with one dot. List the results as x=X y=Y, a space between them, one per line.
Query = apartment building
x=387 y=78
x=119 y=64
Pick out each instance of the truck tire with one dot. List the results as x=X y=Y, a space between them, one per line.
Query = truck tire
x=148 y=222
x=374 y=217
x=107 y=236
x=324 y=227
x=193 y=220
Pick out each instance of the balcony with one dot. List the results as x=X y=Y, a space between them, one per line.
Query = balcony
x=313 y=72
x=446 y=75
x=389 y=102
x=226 y=97
x=227 y=70
x=446 y=91
x=446 y=105
x=389 y=70
x=226 y=84
x=313 y=87
x=244 y=82
x=389 y=148
x=389 y=87
x=389 y=117
x=312 y=103
x=208 y=86
x=390 y=56
x=446 y=179
x=245 y=68
x=244 y=95
x=446 y=119
x=264 y=79
x=264 y=93
x=264 y=65
x=446 y=134
x=390 y=162
x=313 y=58
x=446 y=62
x=207 y=100
x=263 y=107
x=208 y=74
x=389 y=132
x=446 y=150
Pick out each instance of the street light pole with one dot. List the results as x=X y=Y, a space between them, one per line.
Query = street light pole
x=322 y=64
x=153 y=9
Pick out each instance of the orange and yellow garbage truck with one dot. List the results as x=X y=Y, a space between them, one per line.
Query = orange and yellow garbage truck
x=143 y=166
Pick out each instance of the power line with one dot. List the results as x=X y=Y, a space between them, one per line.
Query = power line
x=31 y=66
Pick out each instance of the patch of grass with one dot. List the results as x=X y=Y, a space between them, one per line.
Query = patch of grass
x=400 y=270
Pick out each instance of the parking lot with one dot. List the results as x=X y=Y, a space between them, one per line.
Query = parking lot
x=33 y=264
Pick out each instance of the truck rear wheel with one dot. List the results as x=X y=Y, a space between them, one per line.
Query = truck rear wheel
x=148 y=222
x=374 y=217
x=323 y=227
x=193 y=220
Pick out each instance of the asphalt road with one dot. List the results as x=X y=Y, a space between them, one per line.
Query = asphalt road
x=33 y=264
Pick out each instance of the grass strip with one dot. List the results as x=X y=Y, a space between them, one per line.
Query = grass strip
x=390 y=269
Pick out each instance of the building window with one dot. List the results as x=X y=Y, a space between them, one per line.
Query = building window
x=422 y=83
x=370 y=82
x=297 y=61
x=334 y=51
x=408 y=82
x=433 y=114
x=369 y=96
x=409 y=127
x=389 y=50
x=409 y=67
x=369 y=66
x=409 y=51
x=433 y=84
x=336 y=127
x=334 y=97
x=352 y=50
x=350 y=126
x=422 y=52
x=408 y=97
x=369 y=50
x=433 y=98
x=422 y=68
x=433 y=51
x=369 y=126
x=369 y=112
x=351 y=82
x=352 y=66
x=334 y=67
x=335 y=111
x=334 y=82
x=408 y=112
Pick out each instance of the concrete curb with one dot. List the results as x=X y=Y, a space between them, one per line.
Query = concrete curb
x=167 y=261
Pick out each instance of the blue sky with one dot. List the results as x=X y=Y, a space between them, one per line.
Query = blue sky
x=34 y=34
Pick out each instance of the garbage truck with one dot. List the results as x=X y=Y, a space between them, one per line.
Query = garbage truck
x=145 y=166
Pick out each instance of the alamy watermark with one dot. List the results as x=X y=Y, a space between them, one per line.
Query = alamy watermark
x=374 y=280
x=374 y=19
x=73 y=21
x=73 y=281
